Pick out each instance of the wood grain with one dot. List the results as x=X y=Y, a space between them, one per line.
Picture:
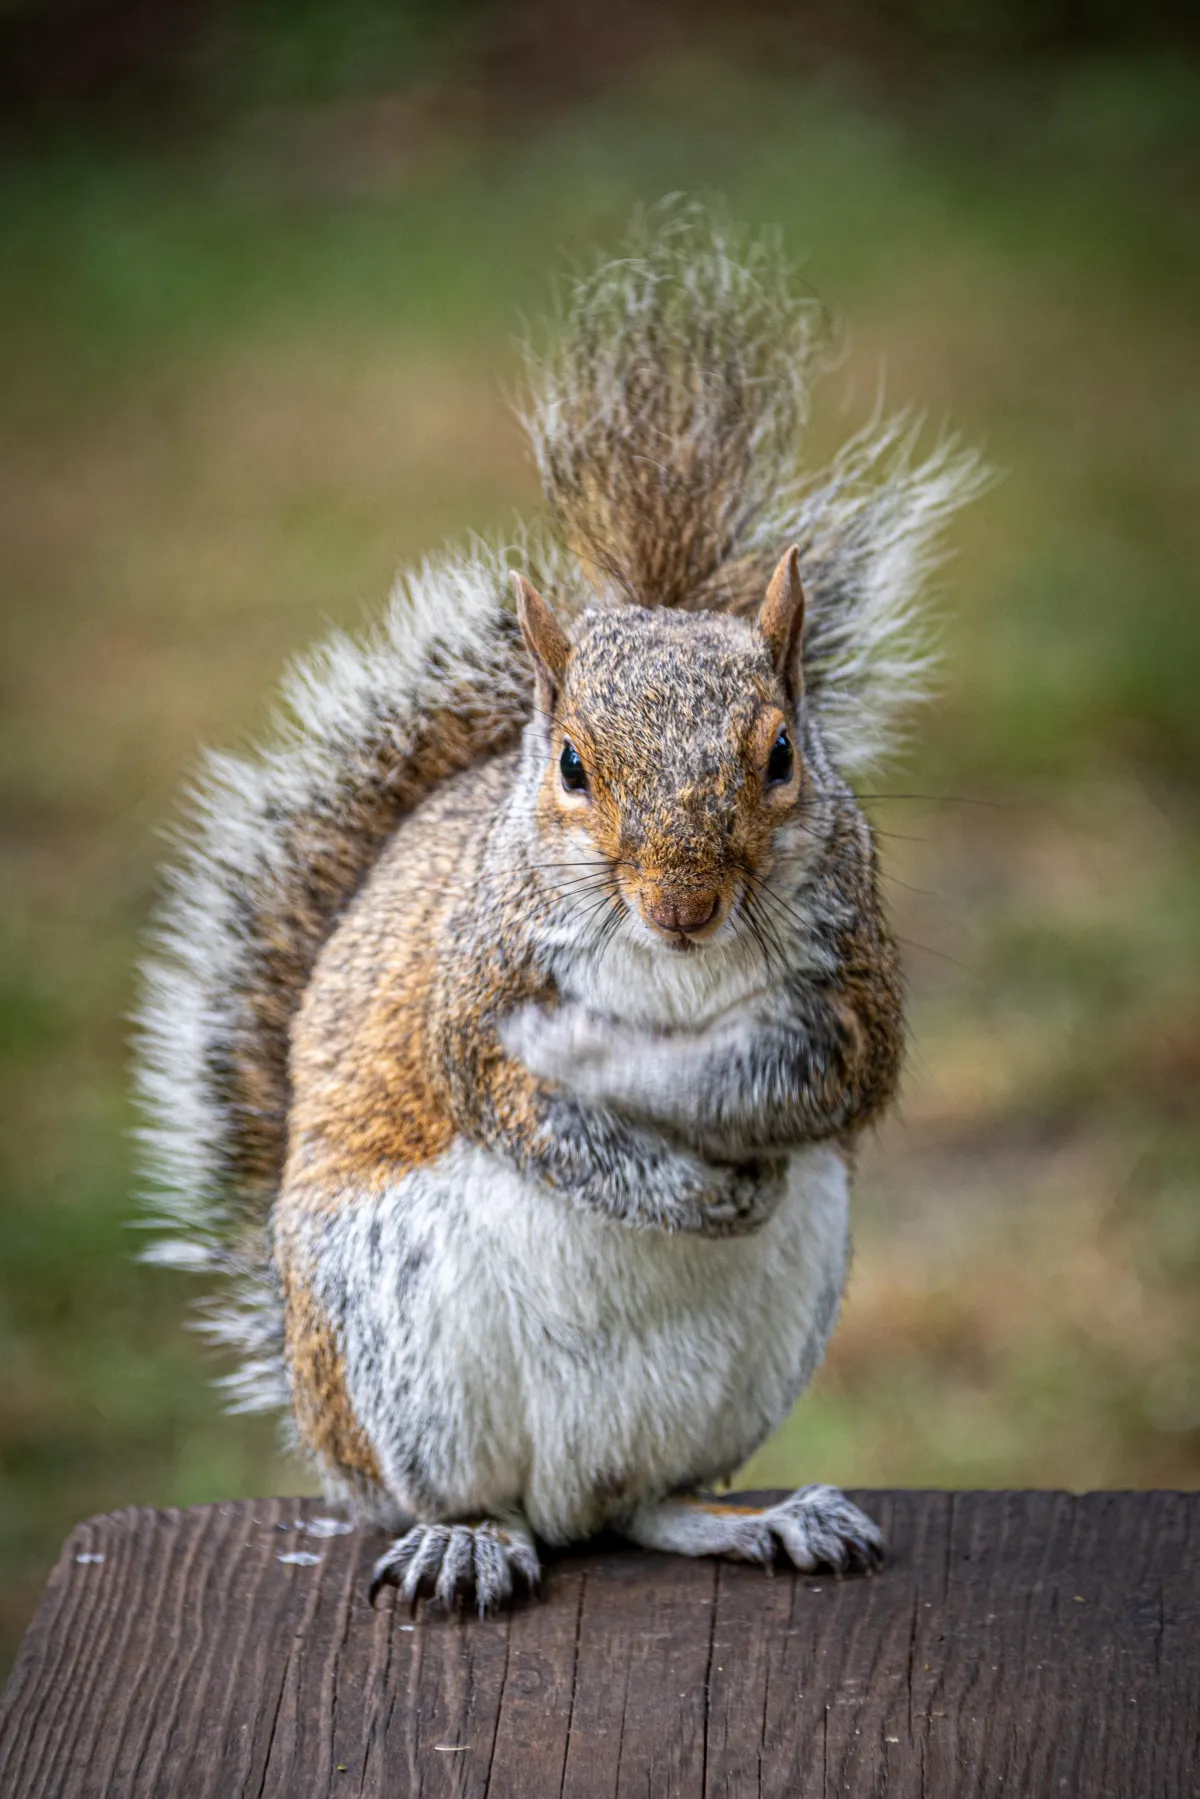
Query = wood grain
x=1016 y=1644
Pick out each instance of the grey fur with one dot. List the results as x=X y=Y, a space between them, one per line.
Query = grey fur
x=679 y=389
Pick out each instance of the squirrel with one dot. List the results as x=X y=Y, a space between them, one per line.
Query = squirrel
x=517 y=1011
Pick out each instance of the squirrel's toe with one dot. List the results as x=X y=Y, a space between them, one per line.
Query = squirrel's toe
x=390 y=1569
x=455 y=1577
x=454 y=1563
x=493 y=1574
x=422 y=1571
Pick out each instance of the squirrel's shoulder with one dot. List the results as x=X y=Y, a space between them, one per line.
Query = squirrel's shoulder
x=429 y=863
x=361 y=1063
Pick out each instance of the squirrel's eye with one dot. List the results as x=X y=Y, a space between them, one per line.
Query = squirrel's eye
x=781 y=761
x=574 y=775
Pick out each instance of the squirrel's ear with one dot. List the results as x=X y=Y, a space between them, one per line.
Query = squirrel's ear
x=544 y=637
x=781 y=621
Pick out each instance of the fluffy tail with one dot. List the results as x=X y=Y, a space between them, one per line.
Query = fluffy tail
x=666 y=421
x=273 y=847
x=666 y=426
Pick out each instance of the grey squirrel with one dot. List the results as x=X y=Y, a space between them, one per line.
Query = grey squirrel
x=516 y=1011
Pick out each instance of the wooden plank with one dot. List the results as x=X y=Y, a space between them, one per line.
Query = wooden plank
x=537 y=1706
x=638 y=1721
x=1016 y=1643
x=1066 y=1601
x=812 y=1691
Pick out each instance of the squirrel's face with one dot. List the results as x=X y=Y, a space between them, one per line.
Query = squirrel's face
x=670 y=758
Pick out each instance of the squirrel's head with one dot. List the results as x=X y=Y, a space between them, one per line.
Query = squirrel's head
x=671 y=755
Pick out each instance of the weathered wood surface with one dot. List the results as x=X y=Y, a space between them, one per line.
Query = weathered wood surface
x=1017 y=1643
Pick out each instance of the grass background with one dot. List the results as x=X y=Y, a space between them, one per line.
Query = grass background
x=248 y=367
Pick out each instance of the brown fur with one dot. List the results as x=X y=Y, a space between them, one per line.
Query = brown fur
x=325 y=1419
x=290 y=932
x=366 y=1107
x=367 y=1104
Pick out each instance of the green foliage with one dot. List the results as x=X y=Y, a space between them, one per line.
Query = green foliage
x=289 y=52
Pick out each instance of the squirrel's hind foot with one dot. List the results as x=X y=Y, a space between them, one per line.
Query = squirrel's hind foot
x=456 y=1563
x=815 y=1528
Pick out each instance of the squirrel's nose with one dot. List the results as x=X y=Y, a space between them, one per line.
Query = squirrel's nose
x=684 y=912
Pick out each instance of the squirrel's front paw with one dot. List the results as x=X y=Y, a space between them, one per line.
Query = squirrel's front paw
x=457 y=1562
x=746 y=1194
x=572 y=1046
x=726 y=1199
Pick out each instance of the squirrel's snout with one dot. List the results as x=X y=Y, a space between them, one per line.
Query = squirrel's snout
x=683 y=914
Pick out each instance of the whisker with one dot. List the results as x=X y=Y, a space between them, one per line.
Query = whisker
x=950 y=799
x=603 y=935
x=941 y=954
x=925 y=892
x=576 y=862
x=752 y=902
x=596 y=906
x=616 y=920
x=747 y=920
x=767 y=891
x=760 y=926
x=757 y=925
x=586 y=882
x=776 y=935
x=806 y=830
x=772 y=893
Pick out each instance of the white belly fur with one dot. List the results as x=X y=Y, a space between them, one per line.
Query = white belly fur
x=519 y=1350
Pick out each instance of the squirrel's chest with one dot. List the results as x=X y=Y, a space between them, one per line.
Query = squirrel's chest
x=653 y=990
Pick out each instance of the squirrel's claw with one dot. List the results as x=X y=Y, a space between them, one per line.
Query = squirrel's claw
x=390 y=1569
x=818 y=1527
x=456 y=1562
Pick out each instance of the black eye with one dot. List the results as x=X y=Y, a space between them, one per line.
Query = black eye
x=574 y=775
x=781 y=761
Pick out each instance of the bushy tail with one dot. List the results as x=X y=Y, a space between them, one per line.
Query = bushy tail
x=273 y=847
x=666 y=427
x=666 y=420
x=667 y=414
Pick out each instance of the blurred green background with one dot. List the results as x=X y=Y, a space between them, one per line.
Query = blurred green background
x=262 y=270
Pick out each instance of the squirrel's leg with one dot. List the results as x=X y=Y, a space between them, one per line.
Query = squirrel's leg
x=815 y=1527
x=454 y=1563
